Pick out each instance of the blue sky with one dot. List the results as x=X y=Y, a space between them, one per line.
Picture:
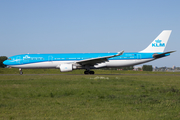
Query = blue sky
x=75 y=26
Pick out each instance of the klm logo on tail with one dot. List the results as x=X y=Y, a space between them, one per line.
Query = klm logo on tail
x=158 y=43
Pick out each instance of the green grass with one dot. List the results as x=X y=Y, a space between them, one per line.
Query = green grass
x=99 y=97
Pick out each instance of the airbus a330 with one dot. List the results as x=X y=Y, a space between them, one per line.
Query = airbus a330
x=71 y=61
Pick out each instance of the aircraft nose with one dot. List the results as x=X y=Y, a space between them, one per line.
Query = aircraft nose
x=5 y=62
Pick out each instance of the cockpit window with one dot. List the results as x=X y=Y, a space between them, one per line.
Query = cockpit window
x=9 y=58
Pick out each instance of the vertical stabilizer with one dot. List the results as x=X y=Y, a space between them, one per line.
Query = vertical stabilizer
x=159 y=44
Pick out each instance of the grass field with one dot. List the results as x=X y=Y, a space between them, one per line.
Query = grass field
x=147 y=96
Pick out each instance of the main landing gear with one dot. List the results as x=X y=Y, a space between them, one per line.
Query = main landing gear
x=88 y=72
x=20 y=71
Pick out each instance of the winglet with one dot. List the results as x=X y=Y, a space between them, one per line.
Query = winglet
x=120 y=53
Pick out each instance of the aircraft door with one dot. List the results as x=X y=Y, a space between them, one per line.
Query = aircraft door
x=138 y=56
x=18 y=60
x=50 y=58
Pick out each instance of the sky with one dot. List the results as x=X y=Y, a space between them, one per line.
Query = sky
x=80 y=26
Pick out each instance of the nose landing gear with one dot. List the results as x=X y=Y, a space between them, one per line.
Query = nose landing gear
x=20 y=71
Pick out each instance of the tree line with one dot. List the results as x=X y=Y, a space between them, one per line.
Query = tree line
x=147 y=68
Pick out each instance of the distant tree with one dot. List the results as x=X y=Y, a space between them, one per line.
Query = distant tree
x=139 y=69
x=147 y=68
x=2 y=59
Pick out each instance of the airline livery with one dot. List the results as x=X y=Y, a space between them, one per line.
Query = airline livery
x=72 y=61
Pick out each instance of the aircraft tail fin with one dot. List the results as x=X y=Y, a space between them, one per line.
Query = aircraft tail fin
x=159 y=44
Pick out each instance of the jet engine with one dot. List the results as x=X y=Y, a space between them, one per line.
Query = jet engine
x=66 y=67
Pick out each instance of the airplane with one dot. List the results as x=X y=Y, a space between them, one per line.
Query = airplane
x=71 y=61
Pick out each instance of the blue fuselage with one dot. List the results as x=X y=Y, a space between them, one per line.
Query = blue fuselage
x=65 y=57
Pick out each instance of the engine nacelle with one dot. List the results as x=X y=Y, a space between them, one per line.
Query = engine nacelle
x=66 y=67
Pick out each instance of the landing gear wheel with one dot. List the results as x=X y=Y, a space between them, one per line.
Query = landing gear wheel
x=86 y=72
x=91 y=72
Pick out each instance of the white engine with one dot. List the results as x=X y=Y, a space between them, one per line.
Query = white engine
x=66 y=67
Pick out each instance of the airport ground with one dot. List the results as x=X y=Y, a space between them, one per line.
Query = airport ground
x=107 y=95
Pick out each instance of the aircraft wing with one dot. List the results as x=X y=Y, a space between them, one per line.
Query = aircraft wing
x=94 y=61
x=161 y=55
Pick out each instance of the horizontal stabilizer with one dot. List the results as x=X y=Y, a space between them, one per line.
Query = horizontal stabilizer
x=161 y=55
